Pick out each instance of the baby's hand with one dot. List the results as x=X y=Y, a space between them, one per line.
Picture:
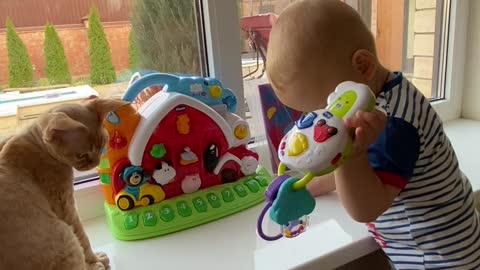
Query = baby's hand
x=367 y=127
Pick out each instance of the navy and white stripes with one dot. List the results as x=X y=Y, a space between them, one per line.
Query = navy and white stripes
x=432 y=224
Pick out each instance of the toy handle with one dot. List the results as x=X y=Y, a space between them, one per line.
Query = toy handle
x=260 y=227
x=146 y=81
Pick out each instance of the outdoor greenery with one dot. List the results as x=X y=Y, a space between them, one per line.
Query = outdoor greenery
x=102 y=70
x=56 y=66
x=132 y=51
x=20 y=70
x=166 y=35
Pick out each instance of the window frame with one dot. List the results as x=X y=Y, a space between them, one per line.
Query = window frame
x=450 y=107
x=223 y=50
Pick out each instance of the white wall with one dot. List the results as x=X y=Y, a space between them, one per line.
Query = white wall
x=471 y=92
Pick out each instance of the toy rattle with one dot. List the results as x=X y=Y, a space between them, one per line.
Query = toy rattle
x=318 y=144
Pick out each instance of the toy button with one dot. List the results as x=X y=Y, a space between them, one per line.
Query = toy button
x=200 y=204
x=166 y=213
x=149 y=219
x=297 y=145
x=227 y=195
x=213 y=200
x=117 y=141
x=158 y=151
x=241 y=132
x=240 y=190
x=104 y=178
x=183 y=124
x=261 y=180
x=306 y=121
x=183 y=209
x=252 y=186
x=131 y=221
x=104 y=164
x=215 y=91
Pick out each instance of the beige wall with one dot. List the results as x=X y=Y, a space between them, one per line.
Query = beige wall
x=471 y=92
x=423 y=45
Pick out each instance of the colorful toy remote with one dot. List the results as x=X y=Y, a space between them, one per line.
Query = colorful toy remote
x=317 y=145
x=176 y=157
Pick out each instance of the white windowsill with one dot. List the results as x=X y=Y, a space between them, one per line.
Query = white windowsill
x=345 y=241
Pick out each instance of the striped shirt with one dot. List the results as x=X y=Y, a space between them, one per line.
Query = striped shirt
x=432 y=224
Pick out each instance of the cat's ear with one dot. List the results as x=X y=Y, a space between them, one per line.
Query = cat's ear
x=103 y=106
x=59 y=127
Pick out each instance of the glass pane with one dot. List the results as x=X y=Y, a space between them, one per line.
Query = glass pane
x=409 y=34
x=76 y=48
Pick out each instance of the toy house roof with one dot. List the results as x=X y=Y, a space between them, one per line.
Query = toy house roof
x=156 y=108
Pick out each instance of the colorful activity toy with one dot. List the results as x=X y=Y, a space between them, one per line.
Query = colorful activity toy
x=317 y=145
x=177 y=157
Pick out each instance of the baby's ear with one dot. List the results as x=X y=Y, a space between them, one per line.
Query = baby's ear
x=365 y=63
x=59 y=127
x=103 y=106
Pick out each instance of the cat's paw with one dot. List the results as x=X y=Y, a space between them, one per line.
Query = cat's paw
x=96 y=266
x=103 y=258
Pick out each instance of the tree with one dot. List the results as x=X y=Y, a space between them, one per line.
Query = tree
x=101 y=66
x=166 y=35
x=56 y=66
x=20 y=70
x=132 y=51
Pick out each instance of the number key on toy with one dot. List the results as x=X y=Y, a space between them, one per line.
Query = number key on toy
x=131 y=221
x=200 y=204
x=227 y=195
x=252 y=186
x=166 y=213
x=214 y=200
x=183 y=209
x=240 y=190
x=149 y=219
x=261 y=180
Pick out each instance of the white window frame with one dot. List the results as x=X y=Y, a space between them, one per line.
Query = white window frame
x=222 y=37
x=450 y=107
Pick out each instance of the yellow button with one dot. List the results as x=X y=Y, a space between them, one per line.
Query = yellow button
x=241 y=132
x=215 y=91
x=297 y=144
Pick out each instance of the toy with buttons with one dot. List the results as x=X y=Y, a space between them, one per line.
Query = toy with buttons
x=317 y=145
x=178 y=158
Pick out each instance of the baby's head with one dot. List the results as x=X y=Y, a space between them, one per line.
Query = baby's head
x=315 y=45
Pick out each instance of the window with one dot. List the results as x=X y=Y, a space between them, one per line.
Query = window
x=411 y=36
x=134 y=32
x=50 y=47
x=217 y=33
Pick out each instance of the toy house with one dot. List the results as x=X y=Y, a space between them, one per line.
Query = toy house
x=178 y=146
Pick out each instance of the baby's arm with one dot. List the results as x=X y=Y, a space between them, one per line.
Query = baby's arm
x=321 y=185
x=385 y=153
x=361 y=191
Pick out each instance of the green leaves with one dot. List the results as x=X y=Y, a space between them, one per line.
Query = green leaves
x=166 y=35
x=56 y=66
x=133 y=60
x=20 y=70
x=101 y=66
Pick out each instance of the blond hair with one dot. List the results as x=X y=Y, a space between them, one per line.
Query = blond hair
x=313 y=36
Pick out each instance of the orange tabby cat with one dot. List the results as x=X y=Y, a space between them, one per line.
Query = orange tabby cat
x=39 y=225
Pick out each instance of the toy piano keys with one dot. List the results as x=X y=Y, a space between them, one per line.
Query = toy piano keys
x=177 y=157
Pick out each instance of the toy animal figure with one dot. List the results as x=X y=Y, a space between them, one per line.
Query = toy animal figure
x=134 y=179
x=137 y=190
x=191 y=183
x=165 y=175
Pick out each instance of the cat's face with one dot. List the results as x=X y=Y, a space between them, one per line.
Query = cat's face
x=74 y=133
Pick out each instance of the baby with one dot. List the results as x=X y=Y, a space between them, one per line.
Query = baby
x=403 y=177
